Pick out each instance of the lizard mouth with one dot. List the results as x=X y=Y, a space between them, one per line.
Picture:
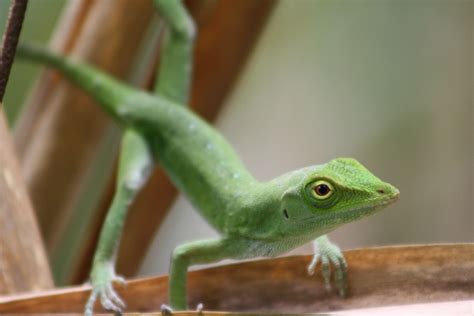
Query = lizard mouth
x=359 y=210
x=326 y=222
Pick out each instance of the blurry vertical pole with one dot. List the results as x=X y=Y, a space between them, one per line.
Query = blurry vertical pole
x=61 y=134
x=107 y=34
x=23 y=263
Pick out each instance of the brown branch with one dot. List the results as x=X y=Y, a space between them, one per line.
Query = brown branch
x=10 y=41
x=386 y=276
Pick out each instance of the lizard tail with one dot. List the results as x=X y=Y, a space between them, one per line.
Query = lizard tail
x=107 y=91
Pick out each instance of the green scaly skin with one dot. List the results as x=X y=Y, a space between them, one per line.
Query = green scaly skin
x=255 y=219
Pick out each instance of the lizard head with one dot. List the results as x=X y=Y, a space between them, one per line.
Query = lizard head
x=321 y=198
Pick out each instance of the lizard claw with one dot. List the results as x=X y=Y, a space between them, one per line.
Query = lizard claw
x=328 y=253
x=102 y=278
x=166 y=310
x=113 y=296
x=89 y=308
x=199 y=308
x=120 y=280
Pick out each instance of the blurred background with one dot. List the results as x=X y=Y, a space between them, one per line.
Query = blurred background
x=386 y=82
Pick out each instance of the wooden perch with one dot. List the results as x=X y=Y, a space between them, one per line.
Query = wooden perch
x=384 y=276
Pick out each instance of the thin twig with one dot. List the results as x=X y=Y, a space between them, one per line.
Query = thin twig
x=10 y=41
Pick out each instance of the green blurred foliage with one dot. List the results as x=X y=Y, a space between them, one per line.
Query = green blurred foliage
x=40 y=20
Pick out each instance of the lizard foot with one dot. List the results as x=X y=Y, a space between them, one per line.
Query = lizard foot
x=328 y=253
x=102 y=279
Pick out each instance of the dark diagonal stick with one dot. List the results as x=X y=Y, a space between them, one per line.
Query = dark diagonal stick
x=10 y=41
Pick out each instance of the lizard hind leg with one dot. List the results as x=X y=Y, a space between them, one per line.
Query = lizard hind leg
x=135 y=165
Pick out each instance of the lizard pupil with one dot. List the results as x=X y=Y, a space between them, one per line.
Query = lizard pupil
x=322 y=189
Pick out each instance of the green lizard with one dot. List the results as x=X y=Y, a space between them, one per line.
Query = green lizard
x=255 y=219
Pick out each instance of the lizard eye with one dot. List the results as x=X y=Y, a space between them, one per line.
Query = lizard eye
x=322 y=190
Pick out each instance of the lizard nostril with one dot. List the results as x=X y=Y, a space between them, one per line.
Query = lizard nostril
x=381 y=191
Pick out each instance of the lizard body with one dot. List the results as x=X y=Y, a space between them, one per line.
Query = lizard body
x=254 y=218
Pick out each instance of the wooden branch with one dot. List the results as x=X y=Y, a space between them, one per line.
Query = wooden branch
x=384 y=276
x=23 y=262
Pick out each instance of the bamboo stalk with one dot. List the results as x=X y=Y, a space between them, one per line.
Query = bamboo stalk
x=23 y=262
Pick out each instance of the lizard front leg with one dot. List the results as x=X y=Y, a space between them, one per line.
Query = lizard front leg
x=329 y=253
x=134 y=168
x=197 y=252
